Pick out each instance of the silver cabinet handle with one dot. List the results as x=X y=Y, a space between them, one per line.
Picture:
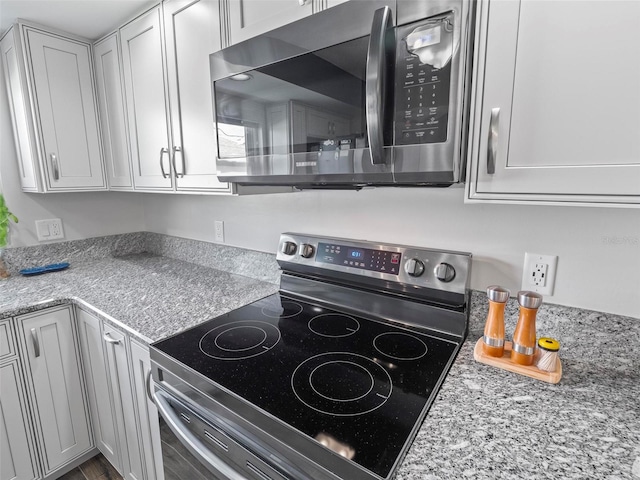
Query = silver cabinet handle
x=108 y=339
x=173 y=161
x=162 y=152
x=36 y=343
x=302 y=3
x=492 y=147
x=54 y=166
x=375 y=83
x=147 y=384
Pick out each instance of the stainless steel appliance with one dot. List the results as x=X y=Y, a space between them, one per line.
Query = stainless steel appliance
x=370 y=92
x=331 y=377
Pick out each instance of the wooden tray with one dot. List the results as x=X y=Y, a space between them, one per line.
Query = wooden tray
x=505 y=363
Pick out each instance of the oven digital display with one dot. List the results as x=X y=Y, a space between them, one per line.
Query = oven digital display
x=382 y=261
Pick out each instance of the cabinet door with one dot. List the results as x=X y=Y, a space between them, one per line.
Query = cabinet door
x=16 y=448
x=556 y=103
x=147 y=412
x=248 y=18
x=68 y=118
x=52 y=365
x=192 y=32
x=117 y=360
x=22 y=128
x=7 y=344
x=112 y=115
x=142 y=48
x=100 y=395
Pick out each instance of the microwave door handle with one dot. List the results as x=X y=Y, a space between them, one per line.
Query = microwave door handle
x=376 y=67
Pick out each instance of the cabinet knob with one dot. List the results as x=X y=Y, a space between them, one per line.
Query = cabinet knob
x=414 y=267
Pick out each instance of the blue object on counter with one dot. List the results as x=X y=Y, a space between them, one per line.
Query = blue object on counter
x=54 y=267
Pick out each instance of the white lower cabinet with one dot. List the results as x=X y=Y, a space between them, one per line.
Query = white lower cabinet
x=103 y=414
x=124 y=404
x=17 y=453
x=147 y=412
x=125 y=423
x=52 y=374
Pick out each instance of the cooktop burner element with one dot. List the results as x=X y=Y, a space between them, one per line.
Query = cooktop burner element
x=400 y=346
x=285 y=310
x=331 y=377
x=341 y=384
x=239 y=340
x=333 y=325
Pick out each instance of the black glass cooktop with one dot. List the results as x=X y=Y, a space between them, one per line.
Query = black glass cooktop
x=356 y=385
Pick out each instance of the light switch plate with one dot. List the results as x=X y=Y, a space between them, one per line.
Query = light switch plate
x=50 y=229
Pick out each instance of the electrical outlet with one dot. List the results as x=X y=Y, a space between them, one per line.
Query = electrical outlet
x=219 y=231
x=49 y=229
x=539 y=273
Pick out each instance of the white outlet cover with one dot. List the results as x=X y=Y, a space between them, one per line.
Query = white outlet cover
x=530 y=261
x=219 y=231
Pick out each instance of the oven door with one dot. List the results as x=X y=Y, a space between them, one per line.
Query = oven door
x=195 y=448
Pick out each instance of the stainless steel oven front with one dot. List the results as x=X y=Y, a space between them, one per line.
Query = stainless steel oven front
x=328 y=379
x=370 y=92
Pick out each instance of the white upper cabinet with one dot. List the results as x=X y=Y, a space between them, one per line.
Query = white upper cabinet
x=169 y=96
x=555 y=115
x=17 y=99
x=112 y=113
x=192 y=32
x=52 y=101
x=248 y=18
x=147 y=105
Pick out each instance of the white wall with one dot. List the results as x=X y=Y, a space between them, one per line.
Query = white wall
x=83 y=214
x=598 y=248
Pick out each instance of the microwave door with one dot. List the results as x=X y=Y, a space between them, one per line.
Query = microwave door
x=291 y=105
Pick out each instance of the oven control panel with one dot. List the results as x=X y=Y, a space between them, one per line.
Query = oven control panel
x=358 y=257
x=401 y=264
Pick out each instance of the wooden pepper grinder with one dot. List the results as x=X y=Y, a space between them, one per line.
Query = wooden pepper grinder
x=524 y=337
x=493 y=340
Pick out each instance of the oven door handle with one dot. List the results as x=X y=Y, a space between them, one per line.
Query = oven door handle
x=192 y=443
x=375 y=83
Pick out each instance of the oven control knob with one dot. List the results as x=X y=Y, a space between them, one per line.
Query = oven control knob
x=414 y=267
x=306 y=250
x=444 y=272
x=288 y=248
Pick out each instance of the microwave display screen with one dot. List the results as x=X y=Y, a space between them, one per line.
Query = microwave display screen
x=382 y=261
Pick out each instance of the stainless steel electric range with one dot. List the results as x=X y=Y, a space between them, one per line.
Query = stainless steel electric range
x=331 y=377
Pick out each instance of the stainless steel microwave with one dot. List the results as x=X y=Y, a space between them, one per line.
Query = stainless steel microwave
x=370 y=92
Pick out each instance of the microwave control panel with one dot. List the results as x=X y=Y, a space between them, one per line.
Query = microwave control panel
x=423 y=80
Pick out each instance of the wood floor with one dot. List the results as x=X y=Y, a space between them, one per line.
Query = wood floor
x=96 y=468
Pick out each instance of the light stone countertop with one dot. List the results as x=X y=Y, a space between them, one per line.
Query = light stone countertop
x=150 y=296
x=485 y=423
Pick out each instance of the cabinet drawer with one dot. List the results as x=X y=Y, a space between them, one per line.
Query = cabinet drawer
x=7 y=343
